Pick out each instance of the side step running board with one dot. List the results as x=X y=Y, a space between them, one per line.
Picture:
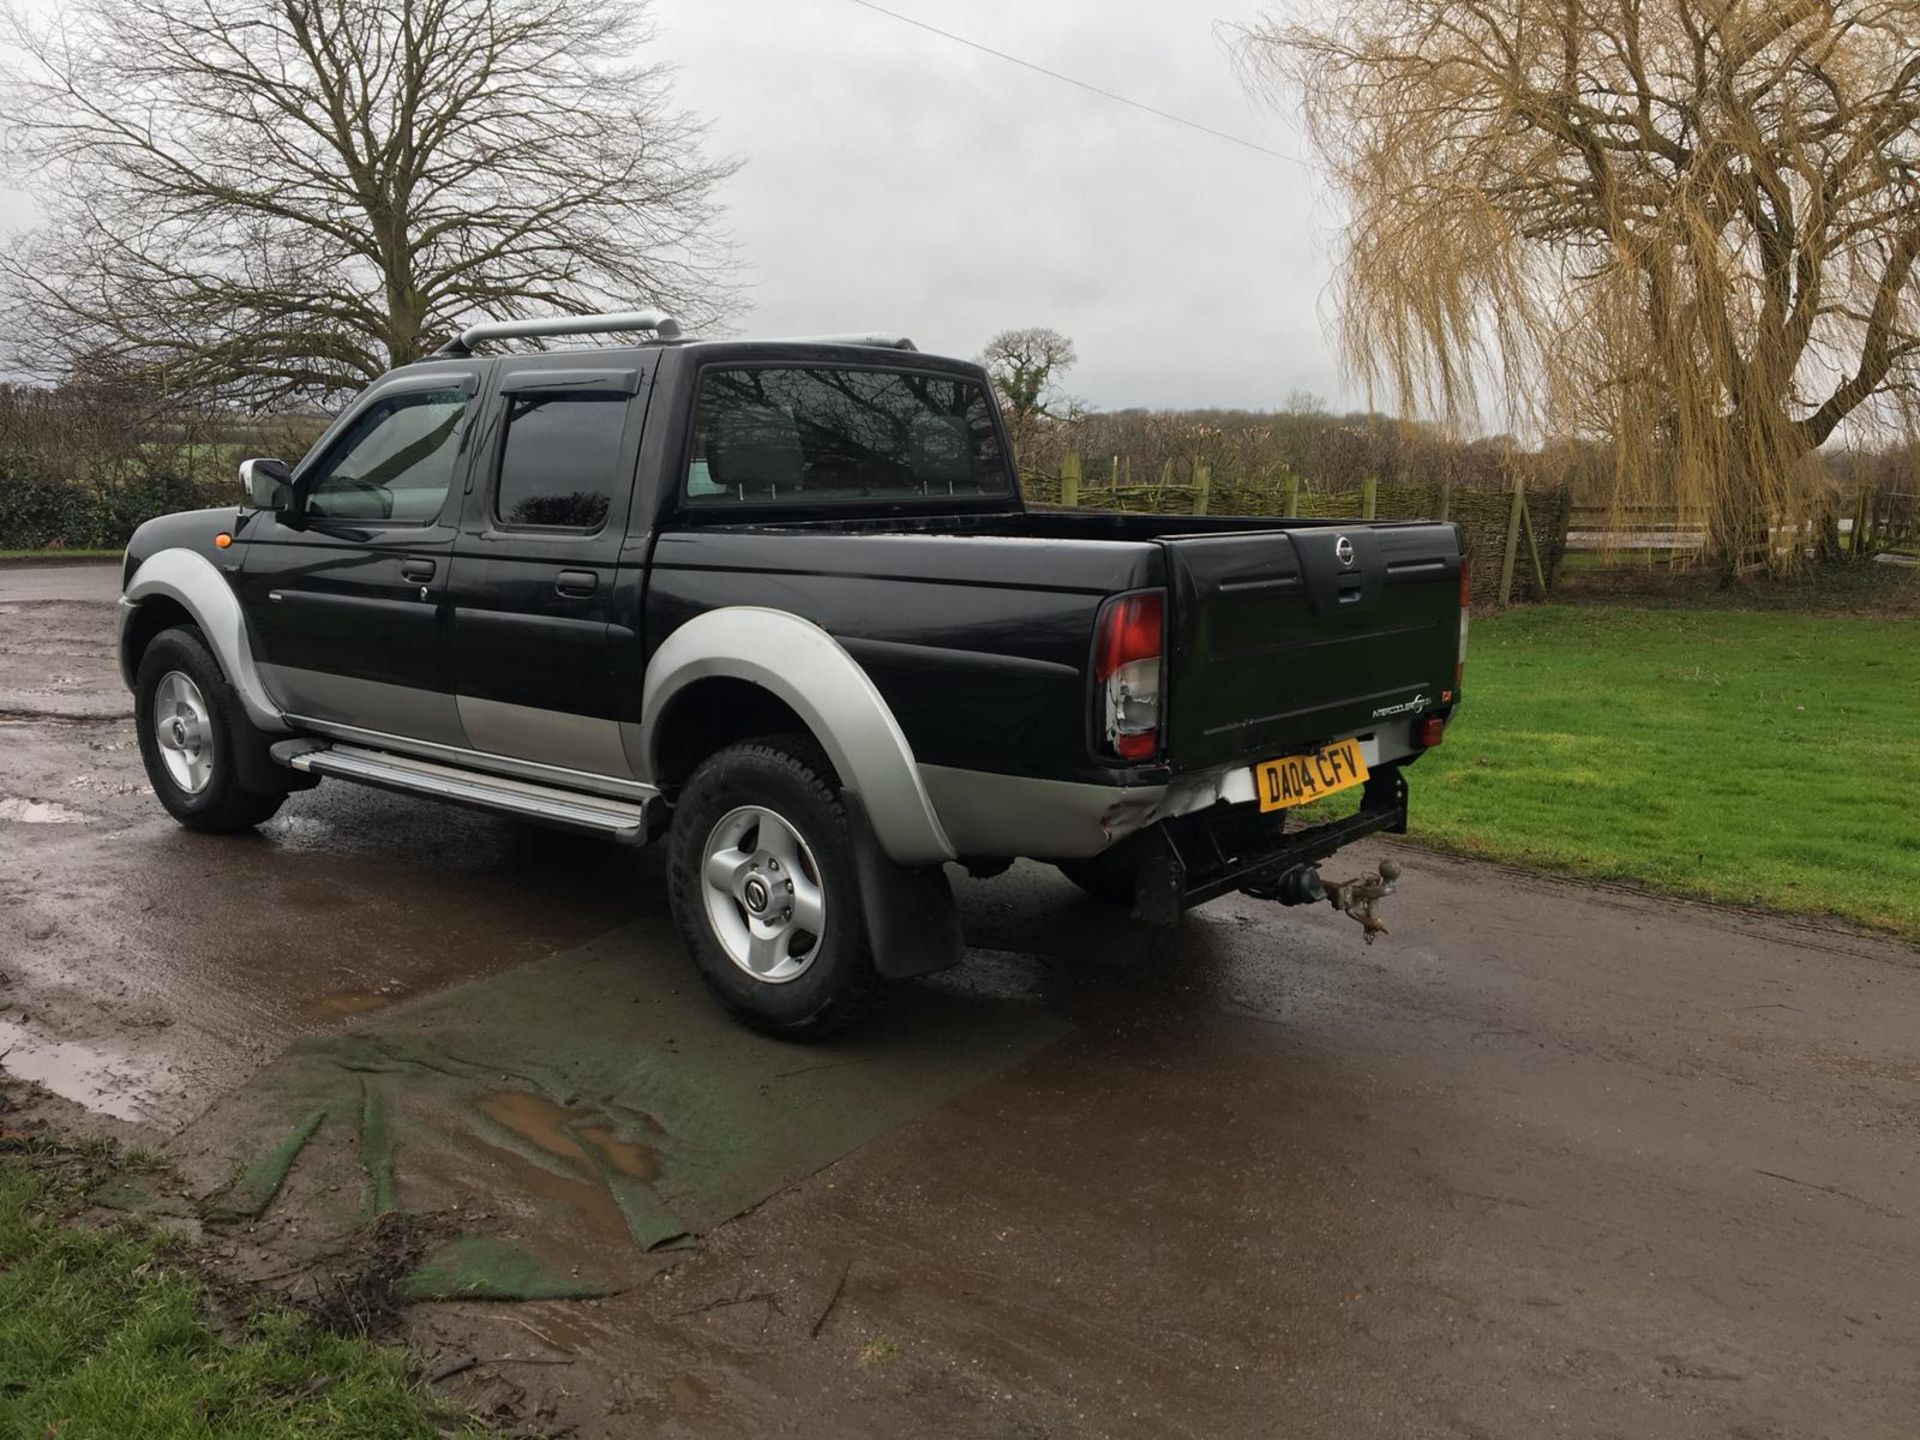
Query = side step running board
x=623 y=820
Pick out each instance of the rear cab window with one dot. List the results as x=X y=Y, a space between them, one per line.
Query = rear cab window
x=559 y=459
x=777 y=435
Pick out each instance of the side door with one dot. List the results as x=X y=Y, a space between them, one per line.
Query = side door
x=545 y=627
x=345 y=591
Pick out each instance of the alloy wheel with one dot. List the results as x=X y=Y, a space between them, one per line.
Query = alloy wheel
x=764 y=894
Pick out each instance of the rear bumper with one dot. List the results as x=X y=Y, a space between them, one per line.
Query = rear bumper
x=1184 y=862
x=989 y=814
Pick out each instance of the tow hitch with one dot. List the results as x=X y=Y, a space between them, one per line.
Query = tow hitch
x=1358 y=899
x=1189 y=861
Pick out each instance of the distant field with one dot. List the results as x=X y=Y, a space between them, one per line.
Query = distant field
x=1739 y=755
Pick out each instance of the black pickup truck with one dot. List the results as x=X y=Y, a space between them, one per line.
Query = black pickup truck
x=780 y=602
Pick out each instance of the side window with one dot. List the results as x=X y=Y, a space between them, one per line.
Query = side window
x=558 y=462
x=394 y=463
x=778 y=435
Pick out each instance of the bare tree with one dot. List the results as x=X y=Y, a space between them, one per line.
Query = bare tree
x=1687 y=226
x=1025 y=365
x=272 y=199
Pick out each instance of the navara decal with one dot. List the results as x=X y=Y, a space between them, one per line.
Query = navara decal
x=1405 y=707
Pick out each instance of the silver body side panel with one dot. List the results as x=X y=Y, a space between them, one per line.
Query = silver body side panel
x=993 y=815
x=808 y=669
x=375 y=704
x=556 y=776
x=192 y=582
x=546 y=737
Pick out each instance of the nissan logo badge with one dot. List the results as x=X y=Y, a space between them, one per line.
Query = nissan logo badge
x=1343 y=550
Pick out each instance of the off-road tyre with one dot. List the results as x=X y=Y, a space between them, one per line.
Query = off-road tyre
x=788 y=776
x=221 y=806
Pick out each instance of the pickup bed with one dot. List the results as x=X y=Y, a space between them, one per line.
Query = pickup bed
x=780 y=602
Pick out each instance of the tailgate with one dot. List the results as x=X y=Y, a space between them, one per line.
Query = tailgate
x=1284 y=638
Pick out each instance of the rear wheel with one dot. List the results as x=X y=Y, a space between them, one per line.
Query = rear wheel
x=764 y=890
x=187 y=716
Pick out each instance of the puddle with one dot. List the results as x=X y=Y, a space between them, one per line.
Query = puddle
x=624 y=1156
x=560 y=1131
x=72 y=1071
x=342 y=1004
x=589 y=1204
x=38 y=812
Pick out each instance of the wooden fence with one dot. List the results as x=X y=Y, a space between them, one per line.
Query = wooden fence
x=1515 y=538
x=1885 y=520
x=1872 y=523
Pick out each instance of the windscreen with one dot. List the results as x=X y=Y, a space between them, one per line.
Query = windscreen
x=783 y=435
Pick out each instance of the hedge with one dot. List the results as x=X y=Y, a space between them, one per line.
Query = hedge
x=40 y=512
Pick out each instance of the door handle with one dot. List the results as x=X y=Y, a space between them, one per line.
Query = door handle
x=415 y=568
x=576 y=582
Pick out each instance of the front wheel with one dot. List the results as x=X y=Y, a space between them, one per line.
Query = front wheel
x=187 y=714
x=765 y=893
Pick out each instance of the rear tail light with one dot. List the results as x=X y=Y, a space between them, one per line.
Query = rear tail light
x=1126 y=665
x=1429 y=731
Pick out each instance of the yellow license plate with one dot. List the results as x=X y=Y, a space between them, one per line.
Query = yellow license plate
x=1296 y=779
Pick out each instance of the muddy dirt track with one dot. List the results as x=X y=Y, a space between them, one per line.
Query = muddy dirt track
x=1548 y=1161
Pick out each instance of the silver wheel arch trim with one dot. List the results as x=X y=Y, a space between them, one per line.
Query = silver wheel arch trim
x=801 y=664
x=191 y=581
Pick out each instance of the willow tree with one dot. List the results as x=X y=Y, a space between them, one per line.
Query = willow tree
x=282 y=198
x=1686 y=226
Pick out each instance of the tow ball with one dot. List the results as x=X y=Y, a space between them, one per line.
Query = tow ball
x=1358 y=899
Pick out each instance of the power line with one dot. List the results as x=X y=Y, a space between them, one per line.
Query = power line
x=1079 y=84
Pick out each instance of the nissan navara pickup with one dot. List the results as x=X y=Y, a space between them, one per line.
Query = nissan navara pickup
x=780 y=604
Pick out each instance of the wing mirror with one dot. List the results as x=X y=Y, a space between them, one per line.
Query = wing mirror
x=265 y=485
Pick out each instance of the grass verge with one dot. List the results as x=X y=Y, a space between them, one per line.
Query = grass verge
x=58 y=557
x=104 y=1332
x=1742 y=755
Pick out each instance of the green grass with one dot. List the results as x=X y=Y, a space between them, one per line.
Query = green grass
x=1734 y=754
x=60 y=554
x=103 y=1336
x=1576 y=561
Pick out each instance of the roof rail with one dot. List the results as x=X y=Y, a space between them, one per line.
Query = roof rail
x=878 y=342
x=663 y=325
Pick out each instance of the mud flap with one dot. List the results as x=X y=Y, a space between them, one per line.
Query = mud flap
x=911 y=920
x=1160 y=881
x=253 y=760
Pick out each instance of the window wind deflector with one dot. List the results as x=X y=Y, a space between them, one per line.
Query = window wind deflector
x=410 y=379
x=622 y=381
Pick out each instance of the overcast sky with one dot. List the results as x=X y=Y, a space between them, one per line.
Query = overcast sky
x=895 y=180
